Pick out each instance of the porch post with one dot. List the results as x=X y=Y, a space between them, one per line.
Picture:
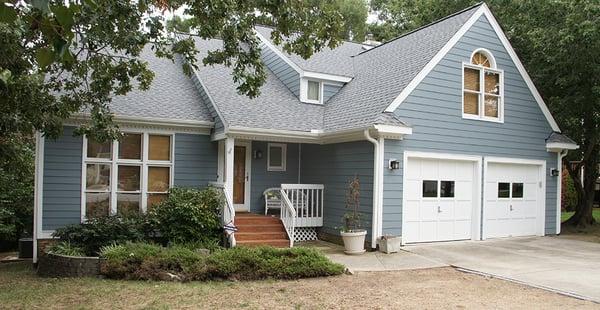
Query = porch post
x=228 y=177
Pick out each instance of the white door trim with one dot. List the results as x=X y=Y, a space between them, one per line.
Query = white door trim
x=541 y=208
x=477 y=183
x=245 y=207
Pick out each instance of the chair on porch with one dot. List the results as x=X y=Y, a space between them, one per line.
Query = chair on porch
x=272 y=198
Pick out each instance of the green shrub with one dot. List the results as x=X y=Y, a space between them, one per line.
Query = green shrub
x=141 y=261
x=569 y=194
x=267 y=262
x=65 y=248
x=189 y=215
x=98 y=232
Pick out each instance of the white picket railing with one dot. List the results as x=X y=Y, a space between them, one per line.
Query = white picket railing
x=307 y=202
x=288 y=217
x=227 y=213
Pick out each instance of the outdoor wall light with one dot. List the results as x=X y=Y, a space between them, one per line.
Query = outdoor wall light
x=257 y=154
x=554 y=172
x=394 y=164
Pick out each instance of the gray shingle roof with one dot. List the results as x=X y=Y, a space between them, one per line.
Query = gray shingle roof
x=556 y=137
x=172 y=94
x=331 y=61
x=383 y=72
x=275 y=108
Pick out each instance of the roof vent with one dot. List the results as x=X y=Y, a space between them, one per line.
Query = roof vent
x=369 y=43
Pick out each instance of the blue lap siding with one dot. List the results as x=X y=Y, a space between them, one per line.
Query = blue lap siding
x=334 y=165
x=61 y=203
x=195 y=160
x=434 y=111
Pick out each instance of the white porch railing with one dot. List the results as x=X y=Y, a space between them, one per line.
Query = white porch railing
x=227 y=214
x=288 y=217
x=307 y=201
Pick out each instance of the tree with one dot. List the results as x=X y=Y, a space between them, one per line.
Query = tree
x=62 y=57
x=559 y=44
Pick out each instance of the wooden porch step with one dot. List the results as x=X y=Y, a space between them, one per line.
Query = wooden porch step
x=278 y=243
x=256 y=220
x=256 y=236
x=252 y=228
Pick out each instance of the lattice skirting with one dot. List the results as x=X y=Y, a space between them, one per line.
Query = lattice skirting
x=305 y=233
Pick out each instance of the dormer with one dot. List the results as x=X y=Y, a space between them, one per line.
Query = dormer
x=314 y=80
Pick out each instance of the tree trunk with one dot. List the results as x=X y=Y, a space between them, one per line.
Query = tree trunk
x=583 y=216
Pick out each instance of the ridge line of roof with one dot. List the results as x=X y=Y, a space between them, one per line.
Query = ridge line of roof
x=271 y=27
x=422 y=27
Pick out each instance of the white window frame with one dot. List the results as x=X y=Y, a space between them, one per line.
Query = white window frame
x=283 y=147
x=481 y=93
x=304 y=91
x=114 y=161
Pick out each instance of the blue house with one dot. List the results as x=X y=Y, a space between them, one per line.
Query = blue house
x=442 y=126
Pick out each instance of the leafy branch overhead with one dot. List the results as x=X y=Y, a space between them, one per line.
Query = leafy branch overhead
x=65 y=57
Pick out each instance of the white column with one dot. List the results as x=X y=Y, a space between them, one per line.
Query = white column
x=228 y=177
x=37 y=191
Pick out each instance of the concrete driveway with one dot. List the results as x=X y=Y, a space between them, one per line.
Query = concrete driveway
x=567 y=266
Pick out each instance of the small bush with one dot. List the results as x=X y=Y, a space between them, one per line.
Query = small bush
x=139 y=261
x=189 y=215
x=98 y=232
x=65 y=248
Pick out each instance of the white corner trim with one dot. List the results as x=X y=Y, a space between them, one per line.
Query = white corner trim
x=559 y=158
x=483 y=10
x=434 y=61
x=558 y=146
x=38 y=191
x=301 y=72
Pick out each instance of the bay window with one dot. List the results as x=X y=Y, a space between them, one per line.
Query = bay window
x=127 y=176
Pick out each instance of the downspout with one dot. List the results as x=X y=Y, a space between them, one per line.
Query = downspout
x=559 y=159
x=374 y=218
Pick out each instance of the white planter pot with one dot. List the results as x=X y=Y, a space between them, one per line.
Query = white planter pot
x=354 y=242
x=390 y=244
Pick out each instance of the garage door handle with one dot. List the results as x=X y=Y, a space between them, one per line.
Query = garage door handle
x=439 y=209
x=511 y=208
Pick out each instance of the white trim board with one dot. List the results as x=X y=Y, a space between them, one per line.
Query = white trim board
x=482 y=11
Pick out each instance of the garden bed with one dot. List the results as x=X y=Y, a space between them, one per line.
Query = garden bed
x=64 y=266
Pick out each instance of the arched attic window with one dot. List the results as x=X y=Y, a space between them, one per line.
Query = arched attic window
x=482 y=88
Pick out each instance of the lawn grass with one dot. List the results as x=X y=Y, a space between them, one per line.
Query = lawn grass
x=566 y=215
x=20 y=288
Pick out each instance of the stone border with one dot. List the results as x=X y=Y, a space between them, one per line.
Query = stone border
x=63 y=266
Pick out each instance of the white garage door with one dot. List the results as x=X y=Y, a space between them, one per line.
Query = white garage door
x=439 y=199
x=511 y=200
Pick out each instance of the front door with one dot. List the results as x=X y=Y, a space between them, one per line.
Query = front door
x=241 y=177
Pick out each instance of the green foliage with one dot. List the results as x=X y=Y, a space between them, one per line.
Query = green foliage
x=189 y=215
x=352 y=217
x=98 y=232
x=16 y=188
x=66 y=248
x=569 y=194
x=141 y=261
x=62 y=57
x=267 y=262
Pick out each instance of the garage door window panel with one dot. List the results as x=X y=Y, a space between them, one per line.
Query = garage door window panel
x=503 y=190
x=447 y=189
x=517 y=190
x=430 y=189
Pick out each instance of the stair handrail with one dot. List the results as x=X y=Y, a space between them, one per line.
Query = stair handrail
x=288 y=216
x=227 y=213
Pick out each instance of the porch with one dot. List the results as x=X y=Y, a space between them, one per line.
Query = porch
x=308 y=181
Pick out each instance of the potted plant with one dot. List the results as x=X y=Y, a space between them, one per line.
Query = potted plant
x=352 y=233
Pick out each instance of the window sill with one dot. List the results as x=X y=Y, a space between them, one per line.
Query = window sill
x=484 y=119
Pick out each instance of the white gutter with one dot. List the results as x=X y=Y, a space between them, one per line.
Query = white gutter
x=559 y=159
x=375 y=215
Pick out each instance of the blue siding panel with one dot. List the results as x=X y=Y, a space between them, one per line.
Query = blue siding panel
x=334 y=165
x=263 y=179
x=195 y=160
x=330 y=90
x=61 y=195
x=434 y=111
x=284 y=72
